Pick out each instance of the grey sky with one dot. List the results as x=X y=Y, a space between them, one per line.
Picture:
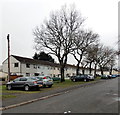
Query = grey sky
x=20 y=17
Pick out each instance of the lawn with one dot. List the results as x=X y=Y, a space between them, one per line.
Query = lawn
x=11 y=93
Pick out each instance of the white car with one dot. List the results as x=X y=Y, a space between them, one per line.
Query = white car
x=47 y=80
x=91 y=77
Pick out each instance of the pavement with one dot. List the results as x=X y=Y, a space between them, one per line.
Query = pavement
x=22 y=99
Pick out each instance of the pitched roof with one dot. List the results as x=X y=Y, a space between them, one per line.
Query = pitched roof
x=34 y=61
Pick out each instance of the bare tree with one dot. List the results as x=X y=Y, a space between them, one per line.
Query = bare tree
x=58 y=33
x=84 y=64
x=91 y=57
x=111 y=64
x=82 y=42
x=105 y=54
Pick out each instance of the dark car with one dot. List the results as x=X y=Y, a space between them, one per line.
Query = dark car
x=80 y=78
x=113 y=76
x=72 y=77
x=25 y=82
x=104 y=76
x=118 y=75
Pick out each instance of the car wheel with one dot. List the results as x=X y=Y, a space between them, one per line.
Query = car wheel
x=85 y=80
x=74 y=80
x=44 y=85
x=38 y=88
x=9 y=87
x=49 y=86
x=26 y=88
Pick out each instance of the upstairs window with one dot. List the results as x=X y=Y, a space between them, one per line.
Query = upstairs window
x=27 y=65
x=27 y=74
x=35 y=66
x=16 y=64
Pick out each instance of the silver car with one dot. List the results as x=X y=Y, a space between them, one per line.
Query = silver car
x=47 y=80
x=24 y=82
x=91 y=77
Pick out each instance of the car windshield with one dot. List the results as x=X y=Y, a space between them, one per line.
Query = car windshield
x=40 y=78
x=17 y=79
x=33 y=78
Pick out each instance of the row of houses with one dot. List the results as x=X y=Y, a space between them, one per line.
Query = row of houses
x=31 y=67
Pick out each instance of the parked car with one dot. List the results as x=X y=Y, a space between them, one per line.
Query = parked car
x=56 y=79
x=109 y=76
x=24 y=82
x=80 y=78
x=104 y=76
x=98 y=75
x=118 y=75
x=113 y=76
x=72 y=77
x=47 y=80
x=91 y=77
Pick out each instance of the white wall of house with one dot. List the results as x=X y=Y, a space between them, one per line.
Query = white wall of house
x=28 y=69
x=115 y=72
x=13 y=69
x=70 y=71
x=34 y=69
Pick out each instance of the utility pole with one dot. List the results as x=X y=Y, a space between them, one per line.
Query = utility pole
x=8 y=58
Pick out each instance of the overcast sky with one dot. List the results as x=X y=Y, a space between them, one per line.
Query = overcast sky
x=20 y=17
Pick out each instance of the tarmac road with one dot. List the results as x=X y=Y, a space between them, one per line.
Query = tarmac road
x=98 y=98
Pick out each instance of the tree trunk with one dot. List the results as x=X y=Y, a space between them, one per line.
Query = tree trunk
x=90 y=68
x=77 y=70
x=62 y=74
x=101 y=71
x=110 y=70
x=83 y=71
x=95 y=70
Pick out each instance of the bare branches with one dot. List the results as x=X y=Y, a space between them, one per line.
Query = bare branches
x=59 y=33
x=82 y=42
x=62 y=34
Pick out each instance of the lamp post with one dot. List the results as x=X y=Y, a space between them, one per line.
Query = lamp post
x=8 y=57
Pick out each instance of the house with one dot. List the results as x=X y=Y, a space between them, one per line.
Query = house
x=22 y=66
x=31 y=67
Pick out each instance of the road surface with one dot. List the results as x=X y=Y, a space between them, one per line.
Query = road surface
x=97 y=98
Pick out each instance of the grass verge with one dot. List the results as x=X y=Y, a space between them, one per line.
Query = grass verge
x=10 y=93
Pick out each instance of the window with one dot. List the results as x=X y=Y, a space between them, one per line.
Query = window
x=23 y=79
x=17 y=79
x=27 y=74
x=36 y=74
x=27 y=65
x=35 y=66
x=16 y=64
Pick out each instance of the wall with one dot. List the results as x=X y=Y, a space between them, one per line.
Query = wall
x=12 y=68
